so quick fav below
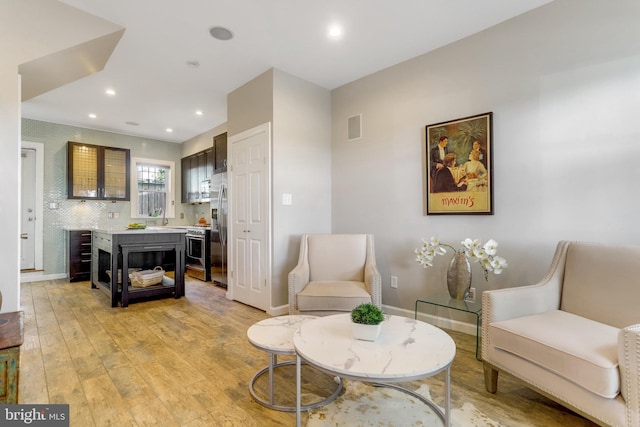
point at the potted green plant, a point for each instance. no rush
(366, 320)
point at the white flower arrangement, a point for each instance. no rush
(474, 250)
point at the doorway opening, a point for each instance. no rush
(31, 209)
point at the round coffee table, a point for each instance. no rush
(274, 336)
(406, 350)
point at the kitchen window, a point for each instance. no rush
(152, 195)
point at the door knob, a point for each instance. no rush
(24, 236)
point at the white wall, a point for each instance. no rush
(202, 141)
(10, 190)
(251, 104)
(563, 84)
(302, 168)
(301, 161)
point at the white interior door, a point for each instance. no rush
(249, 212)
(31, 206)
(28, 210)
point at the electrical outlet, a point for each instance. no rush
(394, 282)
(471, 296)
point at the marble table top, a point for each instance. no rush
(406, 349)
(276, 334)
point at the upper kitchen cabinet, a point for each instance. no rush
(186, 179)
(198, 169)
(209, 162)
(220, 152)
(196, 176)
(97, 172)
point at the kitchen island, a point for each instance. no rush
(122, 249)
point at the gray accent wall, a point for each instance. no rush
(562, 82)
(300, 113)
(302, 168)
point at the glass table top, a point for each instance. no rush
(447, 301)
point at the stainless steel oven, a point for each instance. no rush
(198, 253)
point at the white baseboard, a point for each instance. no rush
(39, 276)
(282, 310)
(441, 322)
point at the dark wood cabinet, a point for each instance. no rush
(96, 172)
(209, 162)
(194, 184)
(79, 255)
(220, 153)
(194, 173)
(186, 179)
(197, 171)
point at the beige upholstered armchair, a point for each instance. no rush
(575, 335)
(335, 273)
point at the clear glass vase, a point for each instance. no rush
(459, 276)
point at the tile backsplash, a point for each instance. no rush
(59, 213)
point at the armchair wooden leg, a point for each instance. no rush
(490, 379)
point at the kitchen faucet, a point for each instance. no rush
(165, 221)
(157, 213)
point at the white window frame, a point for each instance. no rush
(171, 188)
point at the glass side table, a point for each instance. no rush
(446, 301)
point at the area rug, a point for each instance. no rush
(365, 405)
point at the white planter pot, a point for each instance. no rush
(366, 332)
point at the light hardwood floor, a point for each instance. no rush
(187, 362)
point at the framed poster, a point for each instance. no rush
(458, 169)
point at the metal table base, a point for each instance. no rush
(270, 403)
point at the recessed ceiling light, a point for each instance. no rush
(169, 130)
(220, 33)
(199, 113)
(110, 92)
(335, 32)
(92, 116)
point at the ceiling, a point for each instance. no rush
(157, 87)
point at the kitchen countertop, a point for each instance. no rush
(148, 230)
(123, 228)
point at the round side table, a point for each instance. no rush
(275, 336)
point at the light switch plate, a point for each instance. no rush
(287, 199)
